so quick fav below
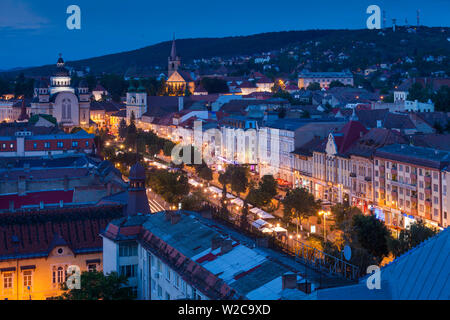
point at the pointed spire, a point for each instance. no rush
(173, 52)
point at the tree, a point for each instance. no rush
(97, 286)
(214, 85)
(239, 178)
(336, 83)
(410, 237)
(204, 172)
(122, 128)
(343, 212)
(266, 191)
(244, 216)
(441, 99)
(299, 203)
(314, 86)
(418, 92)
(371, 234)
(172, 186)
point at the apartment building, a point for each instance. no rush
(409, 185)
(324, 78)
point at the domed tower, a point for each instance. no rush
(60, 80)
(137, 197)
(174, 60)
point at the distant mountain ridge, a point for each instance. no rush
(196, 48)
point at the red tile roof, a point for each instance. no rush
(35, 198)
(34, 234)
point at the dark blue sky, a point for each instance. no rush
(34, 32)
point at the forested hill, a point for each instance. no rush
(386, 45)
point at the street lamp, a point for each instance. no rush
(325, 214)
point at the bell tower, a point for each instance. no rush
(174, 60)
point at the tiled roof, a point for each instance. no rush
(427, 157)
(33, 198)
(36, 232)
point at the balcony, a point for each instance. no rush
(368, 179)
(428, 179)
(352, 174)
(428, 203)
(382, 169)
(394, 171)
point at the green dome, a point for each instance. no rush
(131, 88)
(141, 87)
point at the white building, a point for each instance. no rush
(70, 106)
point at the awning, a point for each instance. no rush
(238, 201)
(230, 196)
(215, 190)
(262, 214)
(258, 224)
(193, 182)
(279, 229)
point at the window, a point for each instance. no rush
(435, 200)
(11, 146)
(60, 144)
(435, 188)
(87, 143)
(7, 280)
(159, 266)
(129, 270)
(74, 144)
(27, 278)
(177, 281)
(47, 145)
(35, 145)
(436, 212)
(159, 291)
(128, 250)
(92, 267)
(167, 296)
(168, 273)
(58, 275)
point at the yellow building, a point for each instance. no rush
(37, 248)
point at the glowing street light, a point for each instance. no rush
(324, 214)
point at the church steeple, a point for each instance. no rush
(173, 52)
(174, 60)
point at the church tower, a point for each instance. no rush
(174, 60)
(136, 101)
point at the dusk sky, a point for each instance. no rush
(34, 32)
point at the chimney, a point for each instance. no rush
(289, 281)
(180, 103)
(226, 246)
(216, 242)
(304, 286)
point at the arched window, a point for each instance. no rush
(60, 275)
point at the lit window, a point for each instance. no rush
(27, 278)
(7, 280)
